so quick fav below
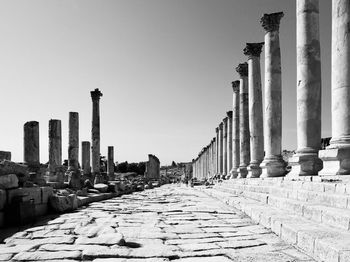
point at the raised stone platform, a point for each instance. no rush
(311, 213)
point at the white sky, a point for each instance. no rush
(164, 67)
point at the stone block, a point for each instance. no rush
(289, 233)
(2, 199)
(41, 209)
(344, 256)
(276, 225)
(336, 217)
(28, 193)
(313, 186)
(323, 252)
(63, 203)
(330, 187)
(333, 200)
(340, 188)
(312, 212)
(46, 192)
(8, 181)
(5, 155)
(103, 188)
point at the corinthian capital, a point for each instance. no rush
(271, 22)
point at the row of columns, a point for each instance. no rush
(256, 150)
(32, 154)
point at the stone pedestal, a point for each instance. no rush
(110, 163)
(229, 142)
(305, 162)
(224, 173)
(85, 158)
(253, 51)
(31, 144)
(244, 134)
(273, 164)
(95, 135)
(55, 152)
(336, 157)
(235, 130)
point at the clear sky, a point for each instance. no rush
(164, 67)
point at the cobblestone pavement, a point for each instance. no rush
(173, 223)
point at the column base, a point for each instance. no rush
(242, 172)
(304, 164)
(234, 173)
(273, 167)
(336, 161)
(254, 171)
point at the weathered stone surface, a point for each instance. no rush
(42, 255)
(9, 167)
(8, 181)
(103, 188)
(63, 203)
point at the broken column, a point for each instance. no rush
(225, 147)
(31, 145)
(273, 164)
(235, 130)
(56, 171)
(85, 159)
(110, 163)
(305, 161)
(229, 142)
(256, 125)
(336, 157)
(244, 136)
(95, 135)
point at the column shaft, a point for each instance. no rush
(85, 157)
(31, 144)
(225, 147)
(229, 142)
(110, 163)
(235, 129)
(221, 158)
(73, 146)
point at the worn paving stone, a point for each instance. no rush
(169, 223)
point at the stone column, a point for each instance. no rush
(273, 164)
(85, 158)
(235, 130)
(229, 142)
(336, 157)
(217, 148)
(31, 145)
(221, 157)
(256, 126)
(73, 147)
(95, 135)
(56, 173)
(110, 163)
(305, 161)
(244, 138)
(214, 157)
(225, 147)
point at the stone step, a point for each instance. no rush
(321, 242)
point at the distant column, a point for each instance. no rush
(273, 164)
(225, 147)
(336, 157)
(110, 163)
(217, 147)
(235, 130)
(229, 142)
(95, 135)
(256, 124)
(31, 144)
(305, 161)
(73, 146)
(244, 138)
(221, 158)
(55, 145)
(85, 158)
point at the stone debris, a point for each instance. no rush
(169, 223)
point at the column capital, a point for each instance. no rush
(221, 125)
(242, 69)
(235, 86)
(271, 22)
(217, 130)
(96, 94)
(214, 139)
(225, 120)
(229, 114)
(253, 49)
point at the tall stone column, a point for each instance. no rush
(225, 147)
(305, 161)
(235, 130)
(244, 138)
(56, 173)
(110, 163)
(85, 158)
(214, 157)
(221, 157)
(273, 164)
(73, 146)
(256, 126)
(336, 157)
(31, 145)
(229, 142)
(217, 147)
(95, 135)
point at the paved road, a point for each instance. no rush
(173, 223)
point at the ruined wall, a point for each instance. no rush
(152, 168)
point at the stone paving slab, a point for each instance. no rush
(170, 223)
